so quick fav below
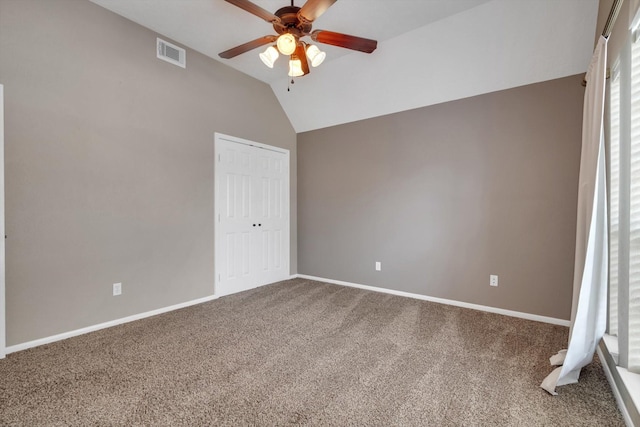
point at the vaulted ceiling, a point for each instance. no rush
(429, 51)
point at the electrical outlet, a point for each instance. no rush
(117, 289)
(493, 280)
(378, 266)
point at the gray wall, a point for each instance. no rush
(109, 165)
(446, 195)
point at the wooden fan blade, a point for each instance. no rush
(301, 54)
(344, 40)
(256, 10)
(312, 9)
(233, 52)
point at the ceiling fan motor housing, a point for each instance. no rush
(290, 22)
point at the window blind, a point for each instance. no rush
(634, 213)
(614, 199)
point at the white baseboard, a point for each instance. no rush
(528, 316)
(65, 335)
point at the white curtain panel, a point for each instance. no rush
(589, 310)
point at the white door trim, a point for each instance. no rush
(217, 242)
(220, 136)
(3, 342)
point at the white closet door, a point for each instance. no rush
(271, 204)
(234, 234)
(252, 221)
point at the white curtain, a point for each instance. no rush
(589, 310)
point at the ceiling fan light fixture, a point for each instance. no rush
(315, 55)
(286, 44)
(269, 56)
(291, 25)
(295, 68)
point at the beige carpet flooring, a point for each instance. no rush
(305, 353)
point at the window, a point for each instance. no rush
(634, 212)
(624, 204)
(614, 197)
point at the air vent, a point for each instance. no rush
(171, 53)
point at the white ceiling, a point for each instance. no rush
(429, 51)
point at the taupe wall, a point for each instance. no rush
(109, 165)
(446, 195)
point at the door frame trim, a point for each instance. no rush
(3, 299)
(221, 136)
(216, 218)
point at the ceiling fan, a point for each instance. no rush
(293, 23)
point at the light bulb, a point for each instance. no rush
(286, 44)
(295, 68)
(315, 55)
(269, 56)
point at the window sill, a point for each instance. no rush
(625, 384)
(611, 344)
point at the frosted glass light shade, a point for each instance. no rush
(315, 55)
(286, 44)
(269, 56)
(295, 68)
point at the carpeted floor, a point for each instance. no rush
(302, 352)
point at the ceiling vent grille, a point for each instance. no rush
(171, 53)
